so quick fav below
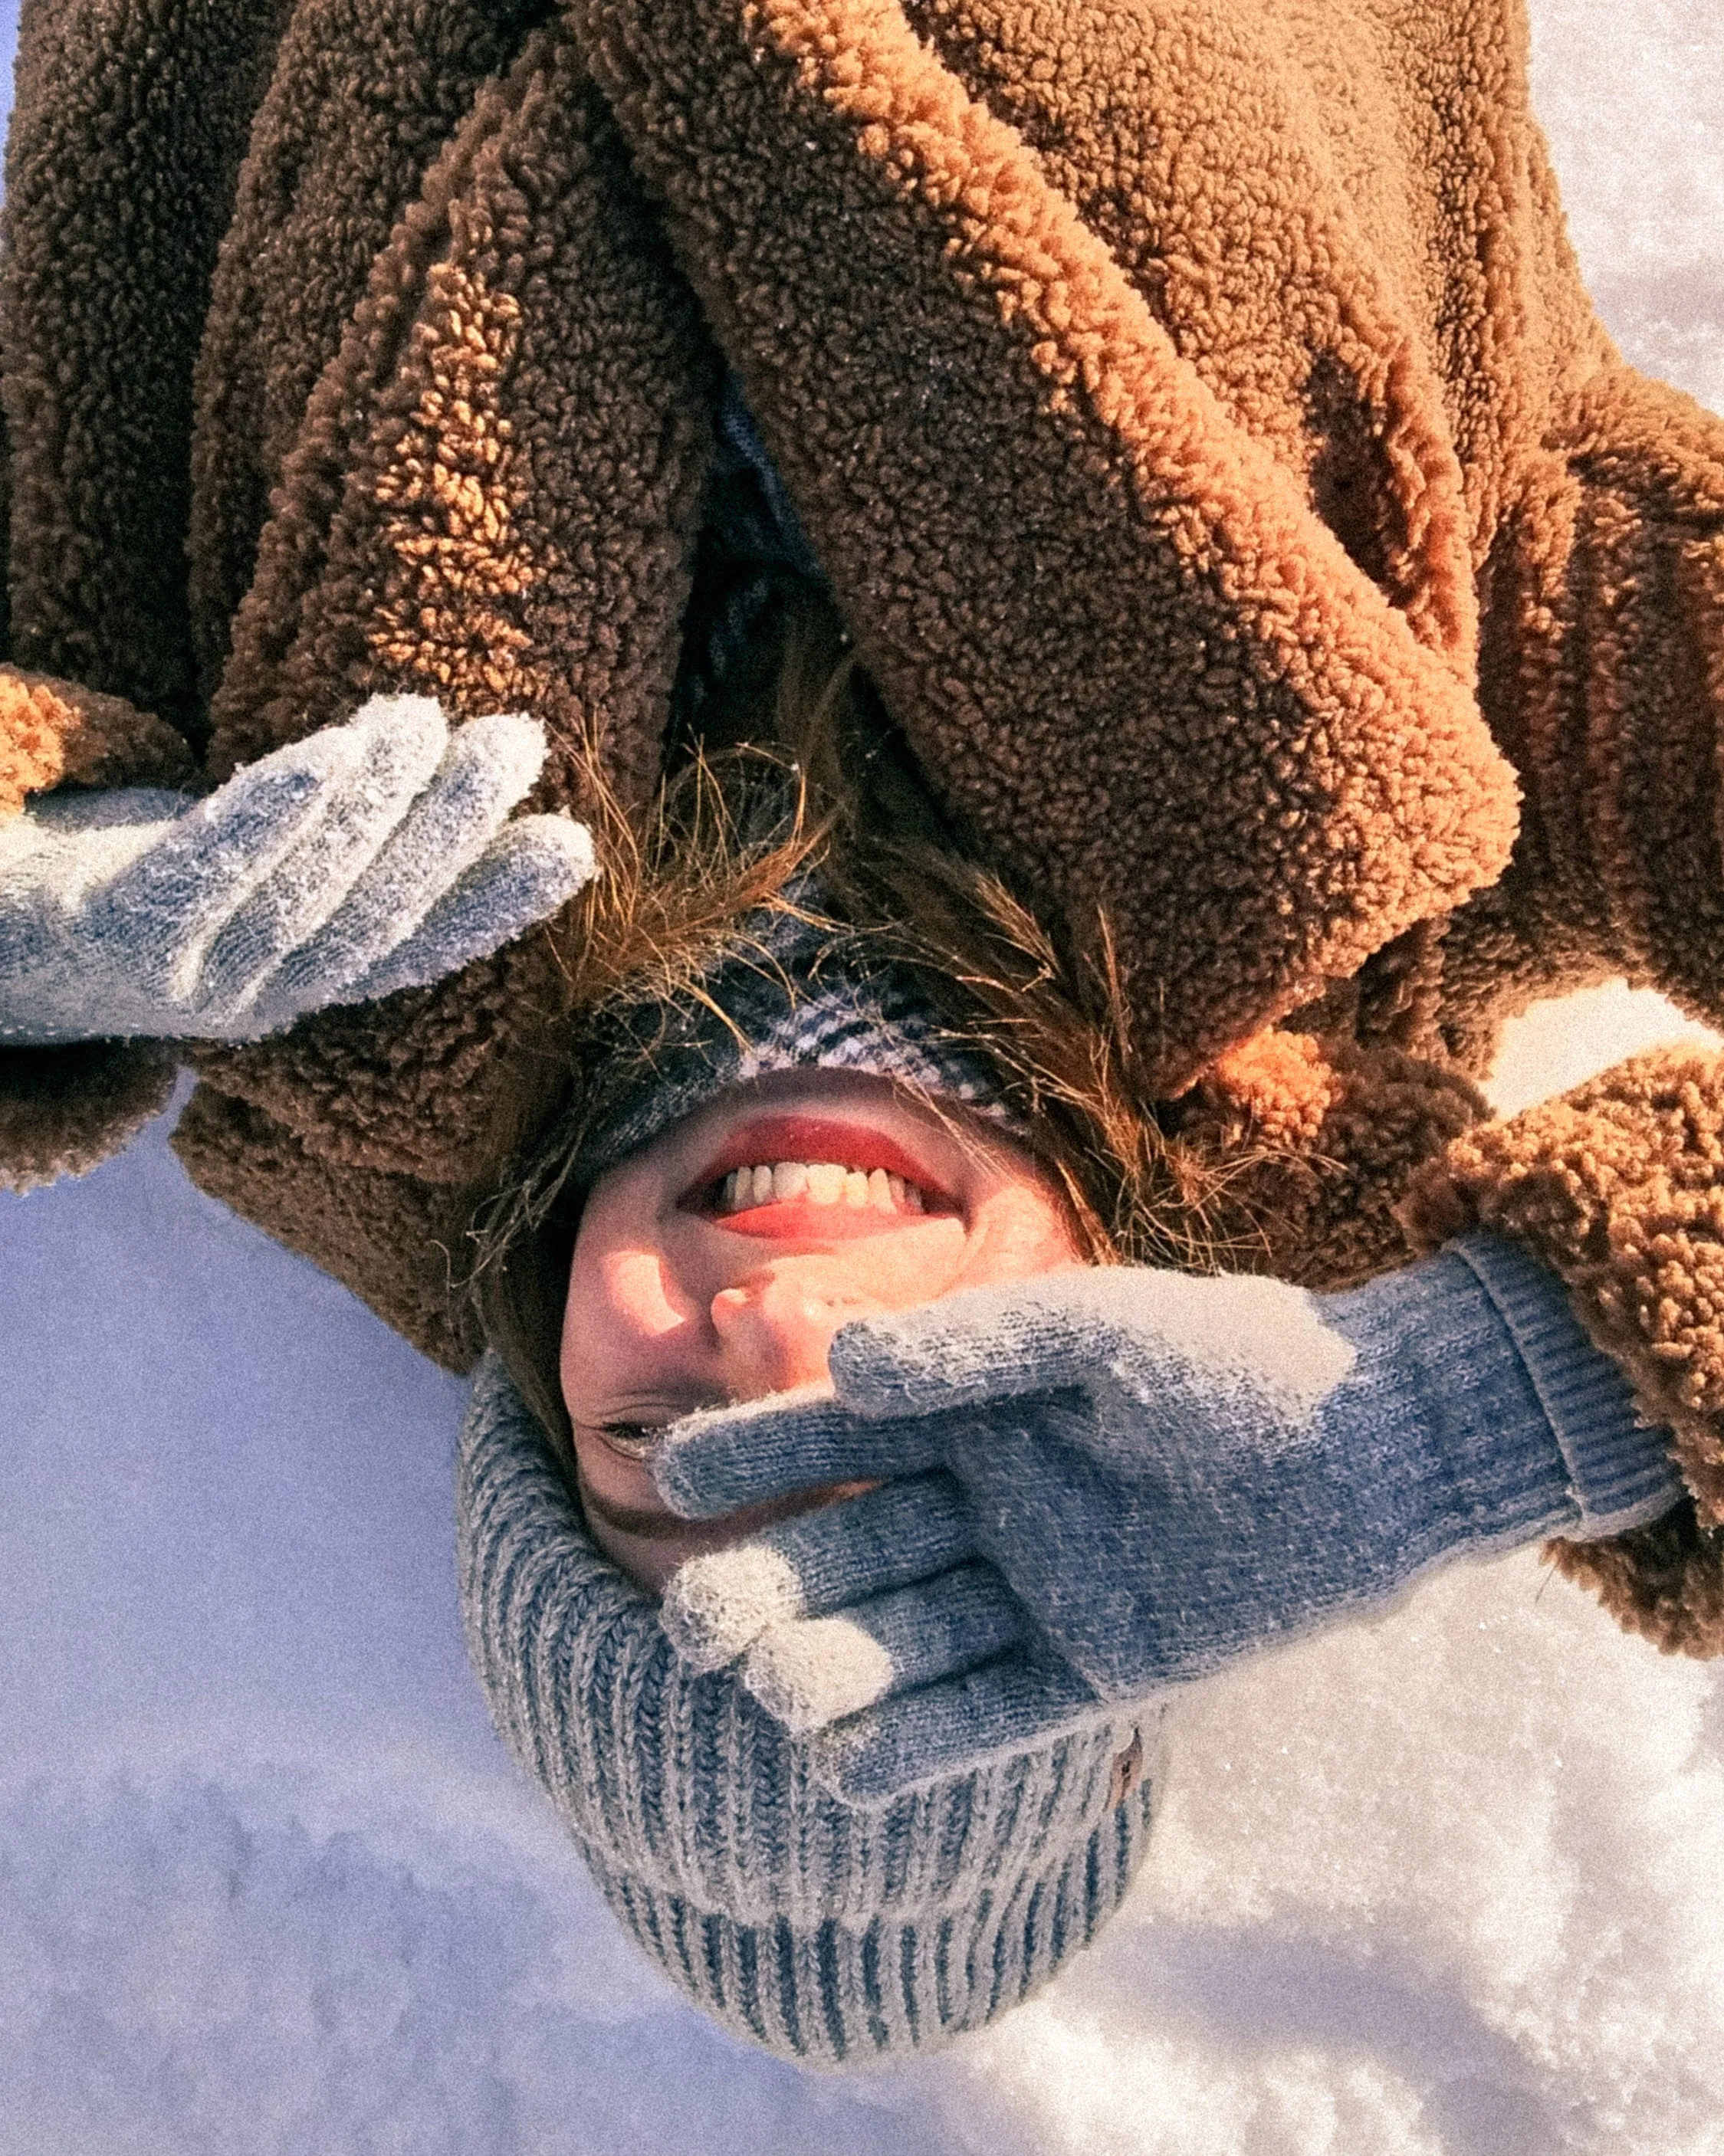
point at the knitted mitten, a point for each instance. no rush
(372, 856)
(1122, 1478)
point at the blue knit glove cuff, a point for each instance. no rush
(1620, 1470)
(1536, 1427)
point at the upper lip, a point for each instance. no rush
(786, 1136)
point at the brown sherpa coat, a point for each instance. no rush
(1197, 411)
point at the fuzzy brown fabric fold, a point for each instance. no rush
(128, 126)
(494, 492)
(64, 1110)
(493, 500)
(365, 95)
(1194, 405)
(1170, 692)
(1323, 1136)
(60, 733)
(393, 1239)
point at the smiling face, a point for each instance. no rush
(717, 1263)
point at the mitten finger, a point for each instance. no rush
(1009, 1705)
(53, 986)
(524, 877)
(724, 1458)
(987, 1344)
(256, 869)
(811, 1672)
(489, 765)
(154, 921)
(1151, 1349)
(715, 1606)
(394, 741)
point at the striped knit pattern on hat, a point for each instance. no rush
(795, 993)
(829, 1934)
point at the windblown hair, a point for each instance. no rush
(798, 767)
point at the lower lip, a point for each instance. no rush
(804, 1221)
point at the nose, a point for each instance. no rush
(774, 1332)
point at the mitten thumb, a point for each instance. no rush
(1137, 1340)
(984, 1344)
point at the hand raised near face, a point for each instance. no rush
(1101, 1482)
(370, 857)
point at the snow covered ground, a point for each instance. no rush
(1451, 1885)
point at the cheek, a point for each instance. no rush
(621, 1302)
(1022, 1229)
(629, 1290)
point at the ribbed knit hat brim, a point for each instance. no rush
(830, 1932)
(831, 1995)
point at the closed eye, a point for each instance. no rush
(636, 1439)
(635, 1435)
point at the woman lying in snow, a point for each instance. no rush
(1228, 558)
(844, 1139)
(844, 1287)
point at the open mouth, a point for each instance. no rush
(819, 1172)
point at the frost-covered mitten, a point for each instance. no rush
(1118, 1479)
(370, 857)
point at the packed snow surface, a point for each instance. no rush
(1451, 1882)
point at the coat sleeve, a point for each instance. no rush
(127, 130)
(125, 133)
(1619, 1186)
(1602, 675)
(61, 1109)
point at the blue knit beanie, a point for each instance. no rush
(830, 1932)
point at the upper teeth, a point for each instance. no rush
(821, 1182)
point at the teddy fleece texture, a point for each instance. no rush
(1196, 411)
